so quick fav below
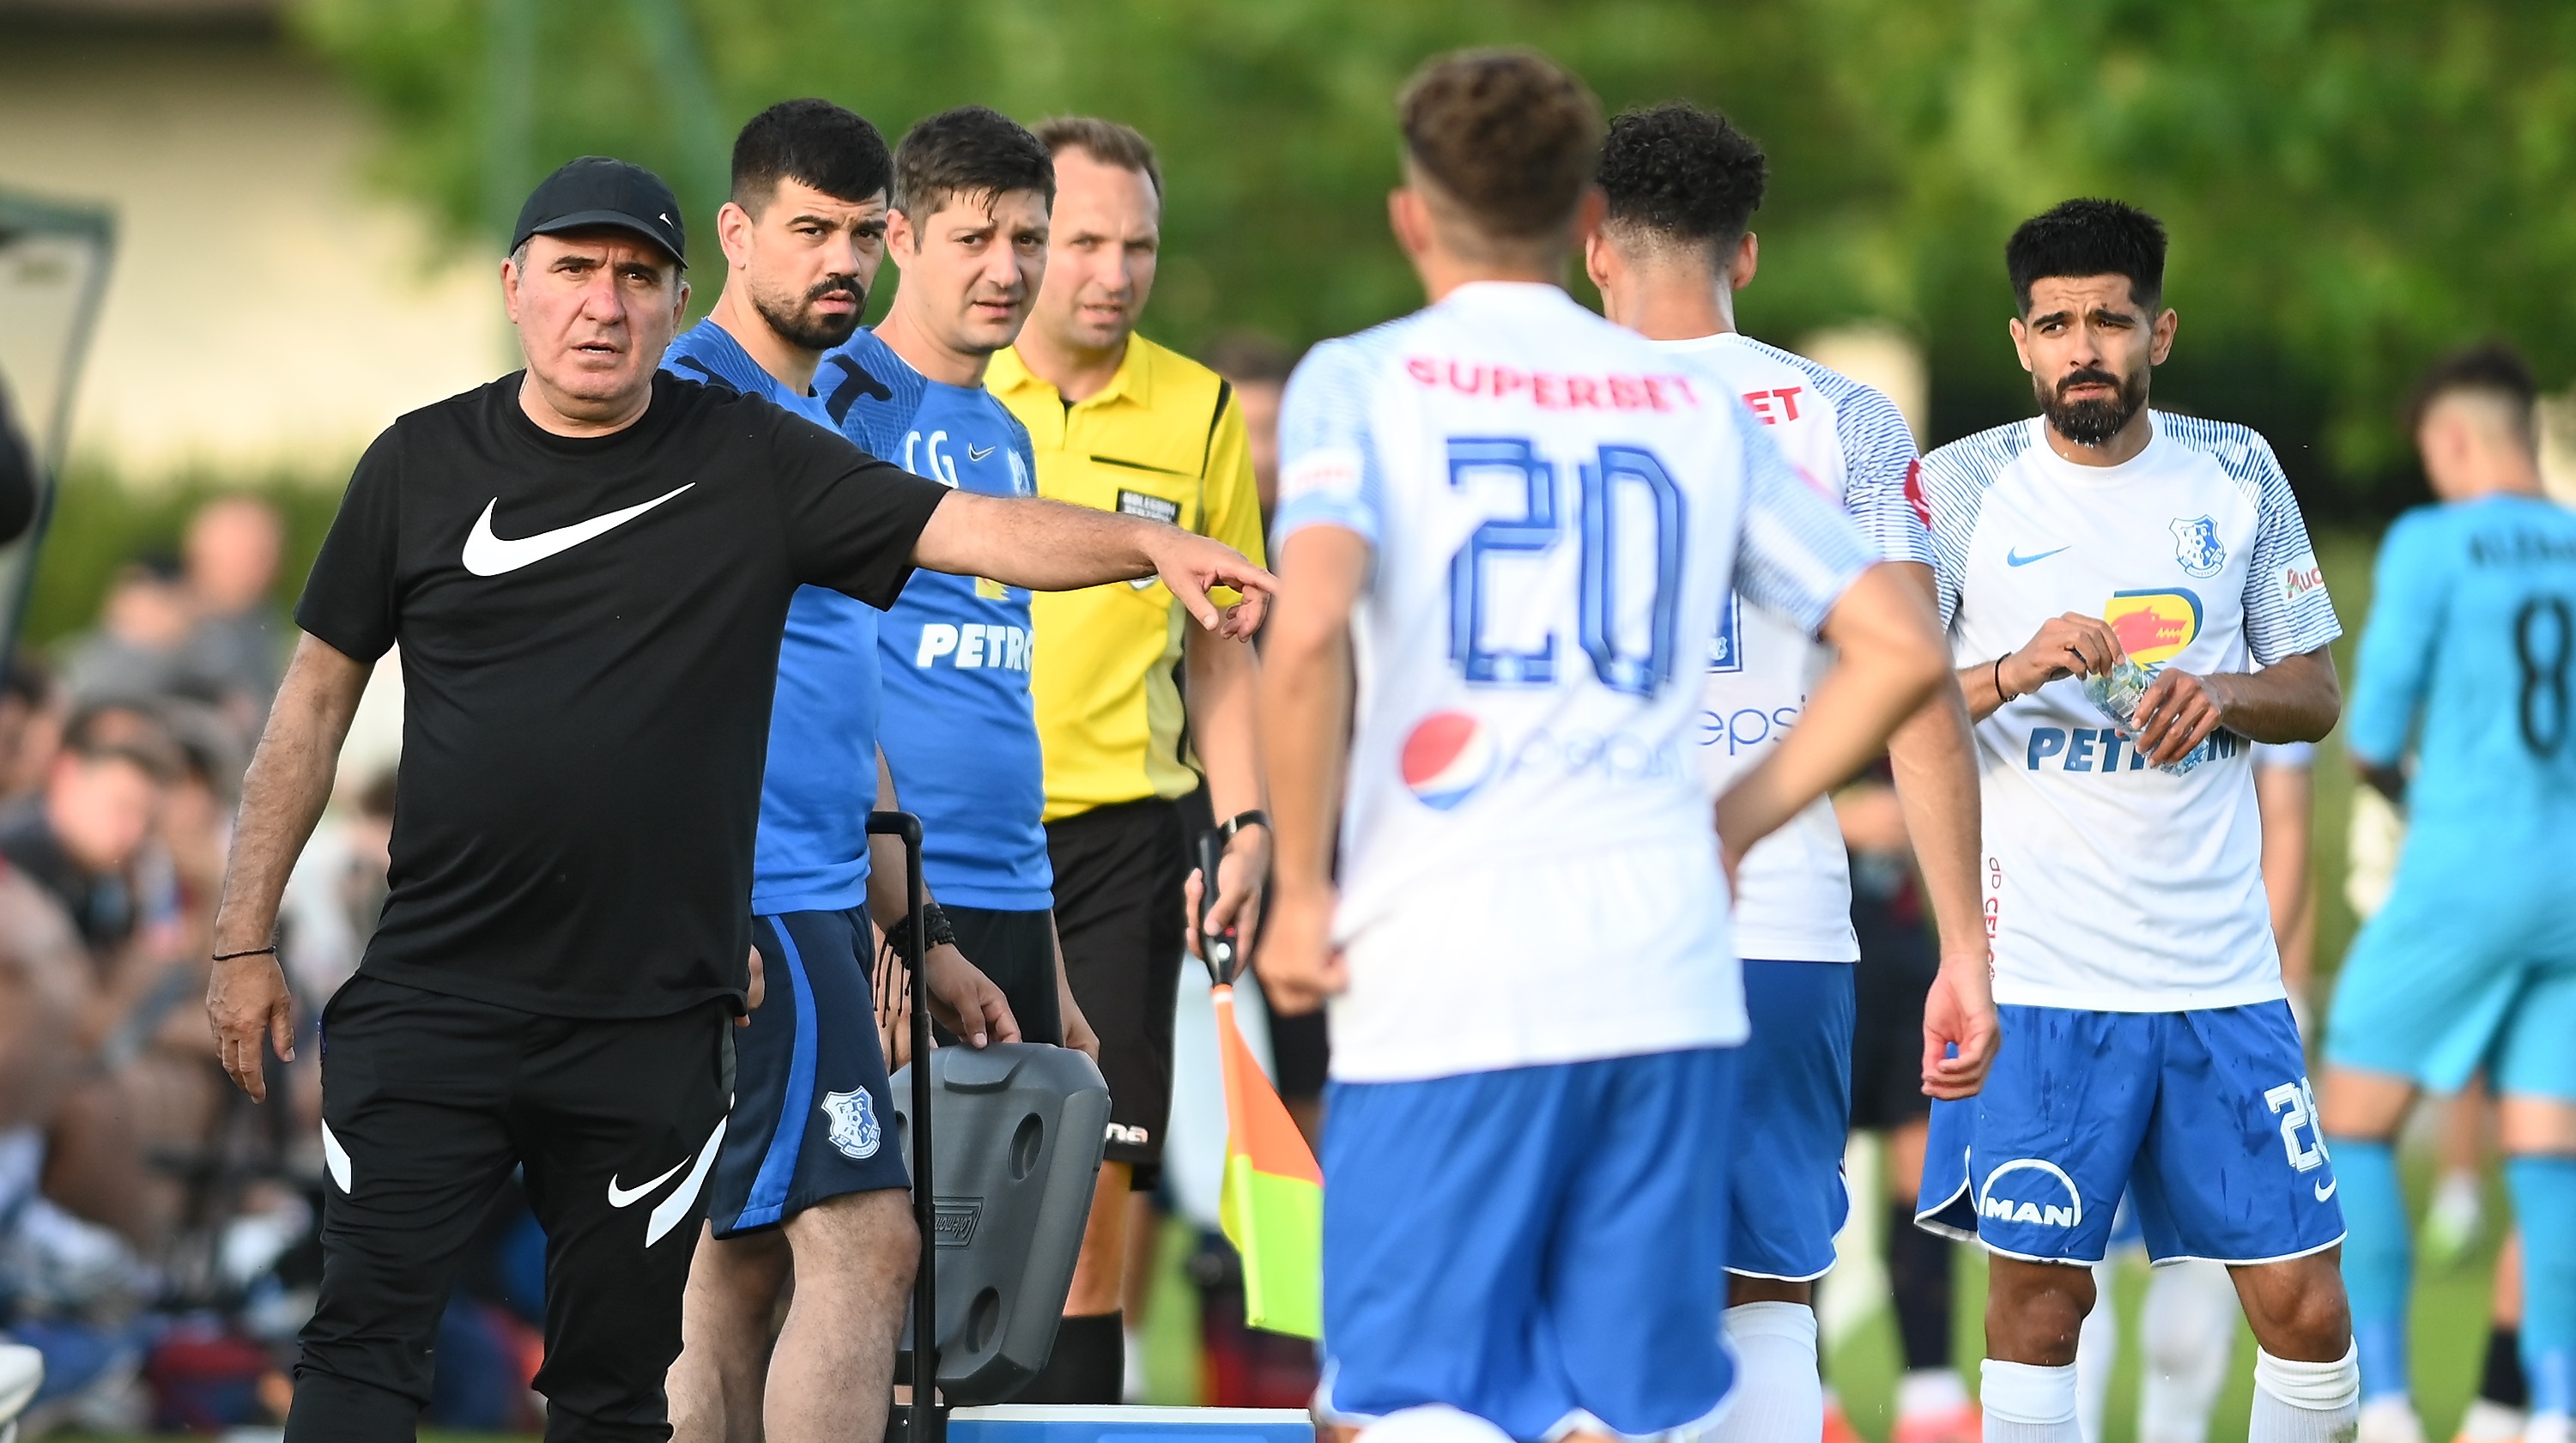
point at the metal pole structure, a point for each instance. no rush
(21, 217)
(925, 1421)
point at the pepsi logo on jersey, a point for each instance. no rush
(1550, 391)
(1446, 757)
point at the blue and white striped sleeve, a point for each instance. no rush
(1329, 473)
(1798, 553)
(1881, 487)
(1952, 484)
(2287, 610)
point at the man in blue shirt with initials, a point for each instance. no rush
(2471, 966)
(968, 228)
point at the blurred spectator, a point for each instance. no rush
(1257, 367)
(31, 725)
(237, 649)
(76, 838)
(134, 656)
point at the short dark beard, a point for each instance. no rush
(2090, 423)
(806, 330)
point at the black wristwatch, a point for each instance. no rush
(1226, 829)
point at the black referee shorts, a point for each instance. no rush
(428, 1102)
(1016, 950)
(1118, 875)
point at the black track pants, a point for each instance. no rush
(428, 1101)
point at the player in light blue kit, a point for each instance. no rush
(969, 231)
(1515, 526)
(2471, 966)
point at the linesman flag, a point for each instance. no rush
(1272, 1207)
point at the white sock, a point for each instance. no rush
(2027, 1403)
(2187, 1332)
(1136, 1384)
(1778, 1392)
(1432, 1423)
(1923, 1392)
(2306, 1402)
(2097, 1352)
(2548, 1428)
(2488, 1421)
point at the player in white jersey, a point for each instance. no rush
(1517, 524)
(1681, 185)
(2132, 599)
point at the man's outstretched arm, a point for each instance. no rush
(1046, 545)
(282, 797)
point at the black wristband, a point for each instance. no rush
(268, 951)
(936, 930)
(1240, 820)
(2001, 695)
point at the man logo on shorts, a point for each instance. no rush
(854, 1123)
(2032, 1196)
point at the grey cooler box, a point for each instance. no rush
(1018, 1131)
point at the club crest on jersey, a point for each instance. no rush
(1446, 757)
(854, 1123)
(2196, 545)
(2153, 626)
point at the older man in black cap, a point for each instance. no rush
(588, 567)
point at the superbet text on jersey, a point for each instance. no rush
(1555, 542)
(1793, 890)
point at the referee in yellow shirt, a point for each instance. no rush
(1125, 425)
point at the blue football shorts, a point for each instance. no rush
(1787, 1187)
(813, 1114)
(1542, 1247)
(2463, 970)
(2205, 1117)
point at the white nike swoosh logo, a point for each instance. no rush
(620, 1197)
(668, 1213)
(974, 455)
(2328, 1190)
(490, 555)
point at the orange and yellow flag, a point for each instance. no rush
(1272, 1208)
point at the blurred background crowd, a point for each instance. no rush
(303, 197)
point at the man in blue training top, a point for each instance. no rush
(2471, 966)
(808, 1180)
(968, 228)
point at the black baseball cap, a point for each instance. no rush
(597, 191)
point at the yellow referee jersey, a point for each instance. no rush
(1164, 439)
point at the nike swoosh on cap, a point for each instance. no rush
(974, 455)
(620, 1197)
(2015, 558)
(490, 555)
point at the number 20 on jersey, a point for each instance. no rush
(1634, 664)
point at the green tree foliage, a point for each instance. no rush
(2352, 186)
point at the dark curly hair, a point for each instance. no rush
(2077, 238)
(1677, 173)
(1507, 136)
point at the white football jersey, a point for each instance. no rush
(2111, 885)
(1793, 891)
(1558, 509)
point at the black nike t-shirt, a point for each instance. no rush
(589, 631)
